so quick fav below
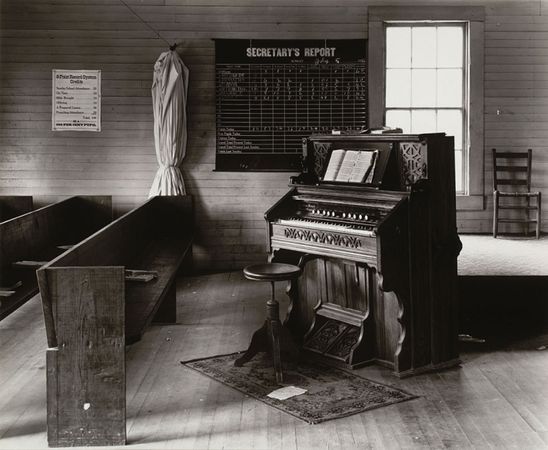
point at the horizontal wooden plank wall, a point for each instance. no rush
(40, 35)
(516, 94)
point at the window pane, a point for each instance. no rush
(450, 45)
(423, 41)
(423, 92)
(449, 87)
(450, 122)
(398, 118)
(458, 172)
(423, 121)
(398, 47)
(398, 87)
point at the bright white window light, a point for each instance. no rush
(426, 79)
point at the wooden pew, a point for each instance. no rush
(39, 236)
(91, 311)
(14, 205)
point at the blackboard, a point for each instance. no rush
(270, 94)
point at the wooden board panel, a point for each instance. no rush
(86, 372)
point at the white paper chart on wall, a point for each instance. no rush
(270, 94)
(76, 100)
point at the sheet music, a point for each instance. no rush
(362, 166)
(371, 174)
(334, 165)
(347, 166)
(354, 166)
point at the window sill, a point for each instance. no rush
(470, 203)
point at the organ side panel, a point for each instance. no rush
(445, 247)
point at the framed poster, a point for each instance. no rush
(76, 100)
(270, 94)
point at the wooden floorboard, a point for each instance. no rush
(497, 399)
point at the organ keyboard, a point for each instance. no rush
(378, 259)
(359, 230)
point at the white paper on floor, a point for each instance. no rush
(286, 392)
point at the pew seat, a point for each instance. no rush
(145, 301)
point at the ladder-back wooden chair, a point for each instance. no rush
(512, 178)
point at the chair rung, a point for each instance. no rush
(511, 169)
(516, 221)
(522, 155)
(511, 182)
(530, 208)
(518, 194)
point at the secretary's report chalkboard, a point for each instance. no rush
(272, 93)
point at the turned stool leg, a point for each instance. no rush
(273, 318)
(267, 337)
(259, 343)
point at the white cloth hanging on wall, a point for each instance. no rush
(169, 99)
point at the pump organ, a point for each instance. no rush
(378, 259)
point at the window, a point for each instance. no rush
(425, 81)
(415, 54)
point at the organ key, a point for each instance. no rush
(328, 226)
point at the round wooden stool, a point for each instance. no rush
(267, 338)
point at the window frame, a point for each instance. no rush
(474, 16)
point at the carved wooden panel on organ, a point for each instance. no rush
(413, 163)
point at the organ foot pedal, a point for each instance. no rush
(338, 334)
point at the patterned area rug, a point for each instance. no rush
(331, 392)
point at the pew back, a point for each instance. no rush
(37, 236)
(122, 241)
(14, 205)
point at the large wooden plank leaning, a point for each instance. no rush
(14, 205)
(92, 310)
(28, 240)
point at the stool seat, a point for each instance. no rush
(272, 272)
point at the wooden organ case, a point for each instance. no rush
(379, 259)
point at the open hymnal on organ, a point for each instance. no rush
(354, 166)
